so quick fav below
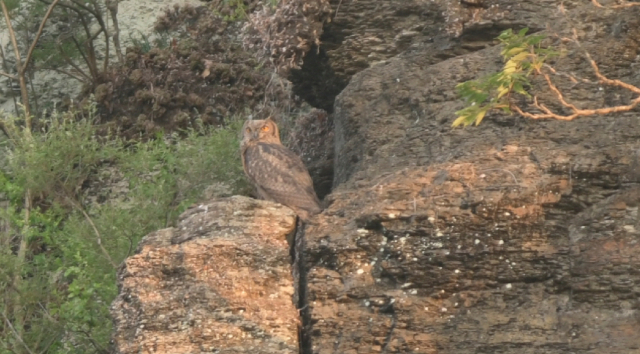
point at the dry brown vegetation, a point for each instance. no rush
(284, 34)
(200, 72)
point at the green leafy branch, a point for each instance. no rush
(523, 56)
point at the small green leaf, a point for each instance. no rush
(459, 121)
(502, 91)
(523, 32)
(523, 56)
(513, 51)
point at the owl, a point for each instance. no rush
(278, 174)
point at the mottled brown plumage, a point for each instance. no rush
(277, 172)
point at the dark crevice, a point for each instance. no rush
(316, 82)
(299, 271)
(394, 321)
(488, 32)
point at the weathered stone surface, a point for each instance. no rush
(226, 288)
(399, 113)
(365, 33)
(486, 256)
(518, 236)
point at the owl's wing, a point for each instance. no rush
(282, 175)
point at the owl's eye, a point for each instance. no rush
(265, 128)
(248, 130)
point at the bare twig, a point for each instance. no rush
(12, 77)
(70, 62)
(578, 112)
(337, 9)
(84, 57)
(603, 79)
(12, 35)
(13, 330)
(22, 66)
(569, 76)
(16, 51)
(112, 5)
(96, 345)
(95, 230)
(105, 30)
(38, 34)
(86, 48)
(6, 69)
(69, 73)
(91, 52)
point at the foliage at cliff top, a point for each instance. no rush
(525, 59)
(522, 55)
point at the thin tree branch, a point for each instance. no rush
(95, 230)
(38, 34)
(13, 330)
(81, 50)
(90, 55)
(68, 73)
(112, 5)
(33, 90)
(6, 69)
(68, 60)
(95, 344)
(22, 66)
(578, 112)
(85, 8)
(12, 35)
(23, 85)
(12, 77)
(105, 29)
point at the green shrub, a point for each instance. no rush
(91, 199)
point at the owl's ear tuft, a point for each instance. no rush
(274, 127)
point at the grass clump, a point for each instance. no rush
(74, 205)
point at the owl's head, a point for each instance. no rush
(265, 131)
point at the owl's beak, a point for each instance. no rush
(249, 138)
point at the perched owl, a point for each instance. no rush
(277, 172)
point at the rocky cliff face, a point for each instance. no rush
(223, 285)
(518, 236)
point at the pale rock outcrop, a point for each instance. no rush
(224, 287)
